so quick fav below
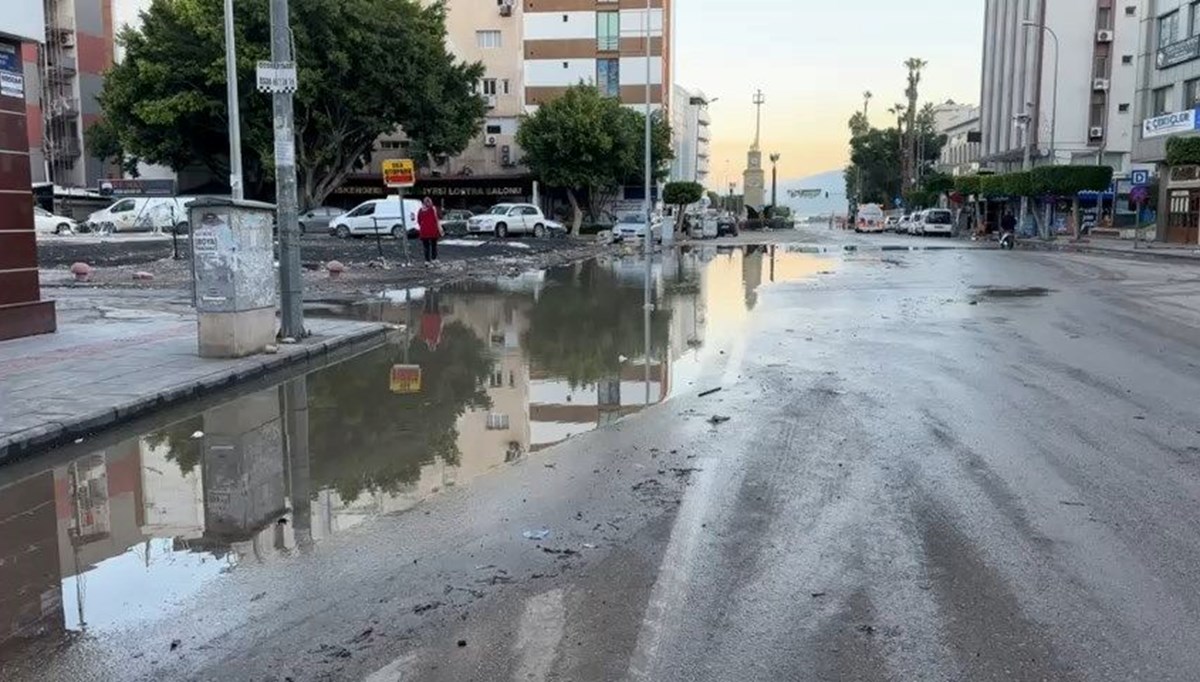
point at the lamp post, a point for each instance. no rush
(231, 93)
(1054, 89)
(774, 174)
(732, 186)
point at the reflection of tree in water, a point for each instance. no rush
(181, 447)
(583, 322)
(364, 437)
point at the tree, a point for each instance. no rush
(366, 67)
(591, 145)
(914, 66)
(682, 195)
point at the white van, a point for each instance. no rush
(142, 214)
(870, 219)
(378, 216)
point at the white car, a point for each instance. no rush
(143, 214)
(632, 227)
(937, 221)
(45, 222)
(915, 225)
(505, 219)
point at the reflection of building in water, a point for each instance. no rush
(487, 438)
(30, 599)
(558, 410)
(752, 273)
(172, 499)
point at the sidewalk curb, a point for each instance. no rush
(312, 355)
(1147, 254)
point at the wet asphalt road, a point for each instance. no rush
(950, 465)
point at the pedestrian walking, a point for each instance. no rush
(429, 229)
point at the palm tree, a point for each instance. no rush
(914, 66)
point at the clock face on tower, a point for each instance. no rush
(754, 162)
(753, 182)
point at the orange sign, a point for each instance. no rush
(399, 173)
(406, 379)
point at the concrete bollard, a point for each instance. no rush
(143, 276)
(82, 271)
(335, 269)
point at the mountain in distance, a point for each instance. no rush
(832, 182)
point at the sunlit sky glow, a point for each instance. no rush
(813, 59)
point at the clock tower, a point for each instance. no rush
(753, 179)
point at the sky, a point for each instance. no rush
(813, 59)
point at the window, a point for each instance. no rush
(497, 422)
(487, 39)
(493, 130)
(365, 209)
(1096, 115)
(504, 86)
(122, 206)
(1160, 101)
(1123, 108)
(1130, 10)
(1126, 59)
(487, 86)
(608, 31)
(1195, 22)
(1191, 93)
(496, 380)
(1104, 18)
(393, 144)
(1100, 67)
(1168, 29)
(608, 77)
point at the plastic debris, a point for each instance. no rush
(540, 534)
(197, 434)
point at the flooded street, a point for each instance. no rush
(836, 465)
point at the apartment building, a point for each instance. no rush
(960, 155)
(1068, 68)
(601, 42)
(691, 135)
(63, 78)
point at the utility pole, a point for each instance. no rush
(235, 119)
(286, 212)
(774, 160)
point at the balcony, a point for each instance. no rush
(64, 107)
(63, 148)
(61, 71)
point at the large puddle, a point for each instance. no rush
(485, 374)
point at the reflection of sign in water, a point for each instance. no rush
(406, 379)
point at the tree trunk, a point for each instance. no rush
(1075, 215)
(576, 213)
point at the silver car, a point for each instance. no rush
(317, 219)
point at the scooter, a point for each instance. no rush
(1008, 240)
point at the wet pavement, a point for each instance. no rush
(936, 465)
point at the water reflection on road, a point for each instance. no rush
(486, 373)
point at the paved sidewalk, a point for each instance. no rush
(1119, 247)
(88, 376)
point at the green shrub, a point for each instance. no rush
(1068, 180)
(967, 184)
(1183, 151)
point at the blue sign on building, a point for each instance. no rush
(1139, 177)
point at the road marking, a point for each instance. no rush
(392, 672)
(670, 588)
(540, 632)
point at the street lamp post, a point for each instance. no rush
(774, 175)
(1054, 89)
(231, 93)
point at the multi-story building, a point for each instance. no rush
(62, 80)
(1068, 68)
(600, 42)
(692, 135)
(1166, 106)
(960, 155)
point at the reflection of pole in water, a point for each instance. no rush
(772, 262)
(295, 433)
(646, 358)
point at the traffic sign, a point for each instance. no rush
(405, 379)
(399, 173)
(1139, 177)
(1139, 193)
(276, 76)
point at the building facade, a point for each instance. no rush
(960, 155)
(601, 42)
(691, 135)
(63, 78)
(1065, 90)
(22, 310)
(1168, 95)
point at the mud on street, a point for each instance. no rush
(855, 465)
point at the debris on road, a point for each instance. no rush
(197, 434)
(1069, 503)
(718, 419)
(462, 643)
(540, 534)
(867, 629)
(175, 644)
(258, 596)
(422, 608)
(705, 394)
(816, 595)
(560, 553)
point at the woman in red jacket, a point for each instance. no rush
(429, 229)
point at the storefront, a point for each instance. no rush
(1182, 219)
(475, 193)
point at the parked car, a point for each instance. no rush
(727, 225)
(454, 221)
(937, 221)
(317, 219)
(870, 218)
(632, 226)
(903, 224)
(142, 214)
(45, 222)
(505, 219)
(555, 229)
(378, 216)
(914, 225)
